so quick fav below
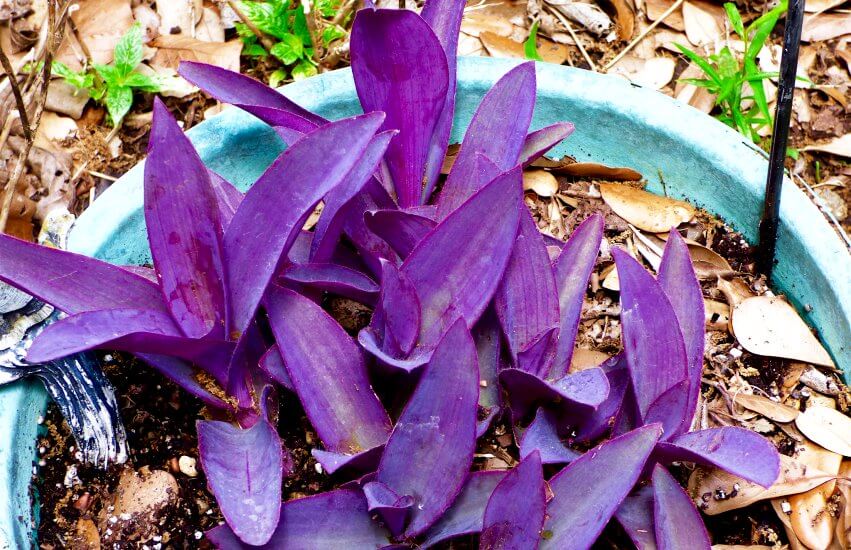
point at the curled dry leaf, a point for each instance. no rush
(500, 46)
(645, 210)
(772, 410)
(819, 381)
(596, 170)
(768, 325)
(840, 146)
(588, 15)
(735, 291)
(828, 427)
(625, 18)
(541, 182)
(655, 9)
(809, 517)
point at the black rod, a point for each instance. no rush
(770, 221)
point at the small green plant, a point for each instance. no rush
(530, 47)
(726, 76)
(113, 85)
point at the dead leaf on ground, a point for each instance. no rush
(655, 9)
(825, 26)
(174, 49)
(500, 46)
(541, 182)
(699, 98)
(470, 45)
(55, 127)
(769, 326)
(586, 358)
(828, 427)
(101, 23)
(735, 291)
(840, 146)
(772, 410)
(702, 23)
(179, 16)
(597, 171)
(495, 18)
(210, 28)
(625, 18)
(717, 314)
(12, 9)
(809, 516)
(818, 6)
(645, 210)
(66, 99)
(653, 73)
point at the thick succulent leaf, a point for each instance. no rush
(460, 263)
(244, 469)
(289, 125)
(574, 395)
(242, 369)
(537, 143)
(227, 196)
(72, 282)
(526, 301)
(678, 523)
(542, 436)
(444, 18)
(328, 373)
(431, 448)
(371, 247)
(493, 134)
(333, 278)
(653, 342)
(669, 409)
(184, 231)
(330, 226)
(487, 335)
(345, 464)
(336, 519)
(240, 90)
(636, 517)
(588, 491)
(372, 343)
(401, 229)
(600, 421)
(186, 376)
(399, 312)
(508, 525)
(271, 215)
(676, 275)
(466, 515)
(736, 450)
(400, 68)
(537, 357)
(273, 365)
(392, 508)
(572, 270)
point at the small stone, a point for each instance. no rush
(318, 468)
(144, 498)
(833, 202)
(187, 466)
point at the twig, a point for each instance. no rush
(310, 18)
(7, 128)
(643, 34)
(267, 43)
(16, 91)
(824, 209)
(102, 175)
(573, 35)
(83, 47)
(343, 12)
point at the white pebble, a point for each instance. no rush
(198, 535)
(318, 468)
(187, 466)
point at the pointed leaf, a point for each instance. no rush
(460, 263)
(486, 334)
(572, 269)
(538, 356)
(228, 198)
(678, 523)
(372, 249)
(392, 508)
(537, 143)
(244, 470)
(335, 279)
(186, 376)
(542, 436)
(431, 448)
(466, 515)
(600, 421)
(575, 395)
(636, 517)
(371, 342)
(508, 525)
(400, 68)
(399, 311)
(669, 409)
(273, 365)
(401, 229)
(328, 373)
(586, 493)
(184, 231)
(346, 464)
(271, 215)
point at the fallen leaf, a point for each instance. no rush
(645, 210)
(717, 314)
(653, 73)
(100, 24)
(586, 358)
(735, 291)
(840, 146)
(828, 427)
(625, 18)
(772, 410)
(477, 21)
(668, 39)
(701, 23)
(843, 525)
(541, 182)
(500, 46)
(470, 45)
(174, 49)
(699, 98)
(782, 509)
(825, 26)
(587, 15)
(210, 28)
(610, 277)
(55, 127)
(597, 171)
(818, 6)
(655, 9)
(66, 99)
(768, 325)
(809, 517)
(179, 16)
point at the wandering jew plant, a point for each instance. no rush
(472, 321)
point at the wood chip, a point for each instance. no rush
(500, 46)
(768, 325)
(772, 410)
(828, 427)
(645, 210)
(541, 182)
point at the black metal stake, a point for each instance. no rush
(780, 136)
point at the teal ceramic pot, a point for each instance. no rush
(617, 123)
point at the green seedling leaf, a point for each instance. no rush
(735, 19)
(142, 82)
(128, 51)
(119, 99)
(331, 34)
(530, 47)
(305, 69)
(289, 50)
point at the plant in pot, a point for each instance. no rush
(472, 321)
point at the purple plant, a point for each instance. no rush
(472, 321)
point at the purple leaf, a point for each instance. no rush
(508, 525)
(186, 376)
(335, 279)
(736, 450)
(459, 264)
(371, 342)
(72, 282)
(228, 198)
(588, 491)
(273, 365)
(184, 231)
(493, 134)
(271, 215)
(400, 68)
(399, 312)
(636, 517)
(652, 340)
(600, 421)
(526, 301)
(669, 409)
(330, 226)
(575, 394)
(328, 373)
(466, 515)
(537, 357)
(678, 523)
(371, 248)
(392, 508)
(572, 270)
(542, 436)
(344, 464)
(242, 368)
(336, 519)
(242, 91)
(486, 334)
(431, 448)
(537, 143)
(401, 229)
(244, 469)
(676, 275)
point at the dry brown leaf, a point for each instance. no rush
(55, 127)
(845, 54)
(828, 427)
(717, 314)
(699, 98)
(493, 17)
(809, 517)
(645, 210)
(541, 182)
(653, 73)
(655, 9)
(210, 28)
(701, 22)
(825, 26)
(66, 99)
(818, 6)
(735, 291)
(470, 45)
(611, 281)
(598, 171)
(668, 39)
(100, 24)
(768, 325)
(625, 18)
(586, 358)
(840, 146)
(705, 485)
(500, 46)
(843, 525)
(772, 410)
(782, 509)
(174, 49)
(179, 16)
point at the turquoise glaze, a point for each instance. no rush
(681, 152)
